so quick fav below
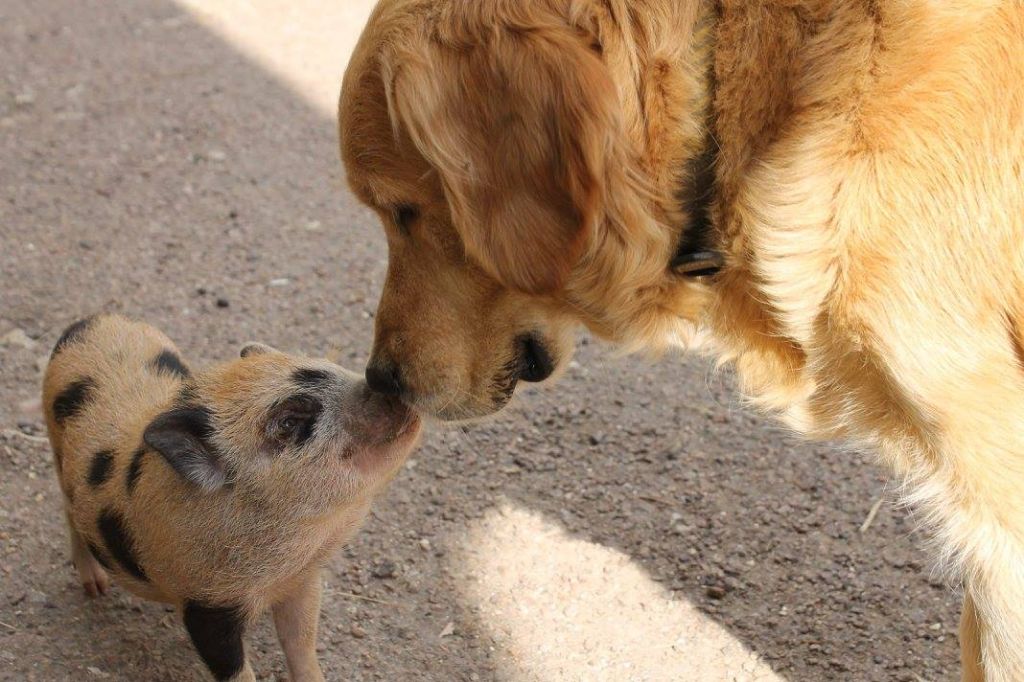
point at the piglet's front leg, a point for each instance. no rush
(296, 618)
(216, 632)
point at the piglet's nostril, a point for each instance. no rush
(373, 418)
(384, 378)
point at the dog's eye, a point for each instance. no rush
(405, 216)
(288, 425)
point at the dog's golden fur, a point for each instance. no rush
(868, 201)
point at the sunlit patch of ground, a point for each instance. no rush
(560, 608)
(307, 44)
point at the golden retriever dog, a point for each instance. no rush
(830, 191)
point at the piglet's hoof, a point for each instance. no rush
(94, 579)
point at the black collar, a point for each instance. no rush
(696, 254)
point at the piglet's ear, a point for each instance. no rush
(254, 348)
(182, 436)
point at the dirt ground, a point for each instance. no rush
(636, 523)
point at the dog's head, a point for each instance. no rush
(524, 165)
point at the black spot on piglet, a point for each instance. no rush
(168, 361)
(311, 378)
(99, 470)
(119, 542)
(72, 334)
(95, 551)
(134, 470)
(72, 399)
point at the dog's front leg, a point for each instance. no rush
(992, 623)
(970, 643)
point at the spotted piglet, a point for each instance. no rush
(222, 492)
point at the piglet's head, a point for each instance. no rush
(279, 425)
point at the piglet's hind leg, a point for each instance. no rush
(94, 579)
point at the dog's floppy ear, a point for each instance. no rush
(181, 435)
(519, 126)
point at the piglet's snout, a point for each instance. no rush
(377, 419)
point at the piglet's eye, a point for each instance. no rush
(406, 216)
(293, 420)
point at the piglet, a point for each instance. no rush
(222, 492)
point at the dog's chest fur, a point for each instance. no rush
(842, 213)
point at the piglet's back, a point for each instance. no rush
(107, 377)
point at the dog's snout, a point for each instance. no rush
(384, 378)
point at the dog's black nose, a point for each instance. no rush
(384, 378)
